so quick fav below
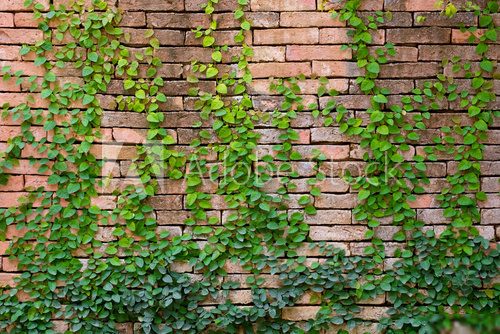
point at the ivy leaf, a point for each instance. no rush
(486, 65)
(87, 99)
(363, 194)
(373, 67)
(379, 98)
(222, 88)
(217, 56)
(212, 72)
(87, 70)
(128, 84)
(208, 41)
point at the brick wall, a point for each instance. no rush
(290, 37)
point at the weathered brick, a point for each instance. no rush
(222, 6)
(411, 5)
(20, 36)
(409, 70)
(10, 199)
(439, 20)
(330, 201)
(300, 313)
(18, 5)
(9, 52)
(6, 19)
(150, 5)
(341, 69)
(364, 5)
(465, 37)
(319, 52)
(337, 233)
(225, 37)
(282, 5)
(133, 19)
(330, 217)
(490, 216)
(177, 20)
(419, 35)
(266, 70)
(257, 20)
(315, 19)
(8, 279)
(440, 52)
(137, 37)
(340, 36)
(286, 36)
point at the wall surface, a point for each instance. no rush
(289, 38)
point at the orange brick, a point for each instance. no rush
(282, 5)
(20, 36)
(286, 36)
(18, 5)
(6, 20)
(317, 52)
(411, 5)
(266, 70)
(10, 199)
(459, 37)
(314, 19)
(15, 183)
(8, 279)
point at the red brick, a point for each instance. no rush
(257, 20)
(25, 20)
(9, 265)
(336, 69)
(419, 35)
(364, 5)
(286, 36)
(440, 20)
(411, 5)
(18, 5)
(7, 279)
(268, 53)
(225, 37)
(282, 5)
(6, 19)
(10, 52)
(340, 36)
(266, 70)
(440, 52)
(222, 6)
(15, 183)
(315, 19)
(133, 19)
(4, 245)
(177, 20)
(134, 36)
(147, 5)
(459, 37)
(409, 70)
(10, 199)
(60, 326)
(20, 36)
(318, 52)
